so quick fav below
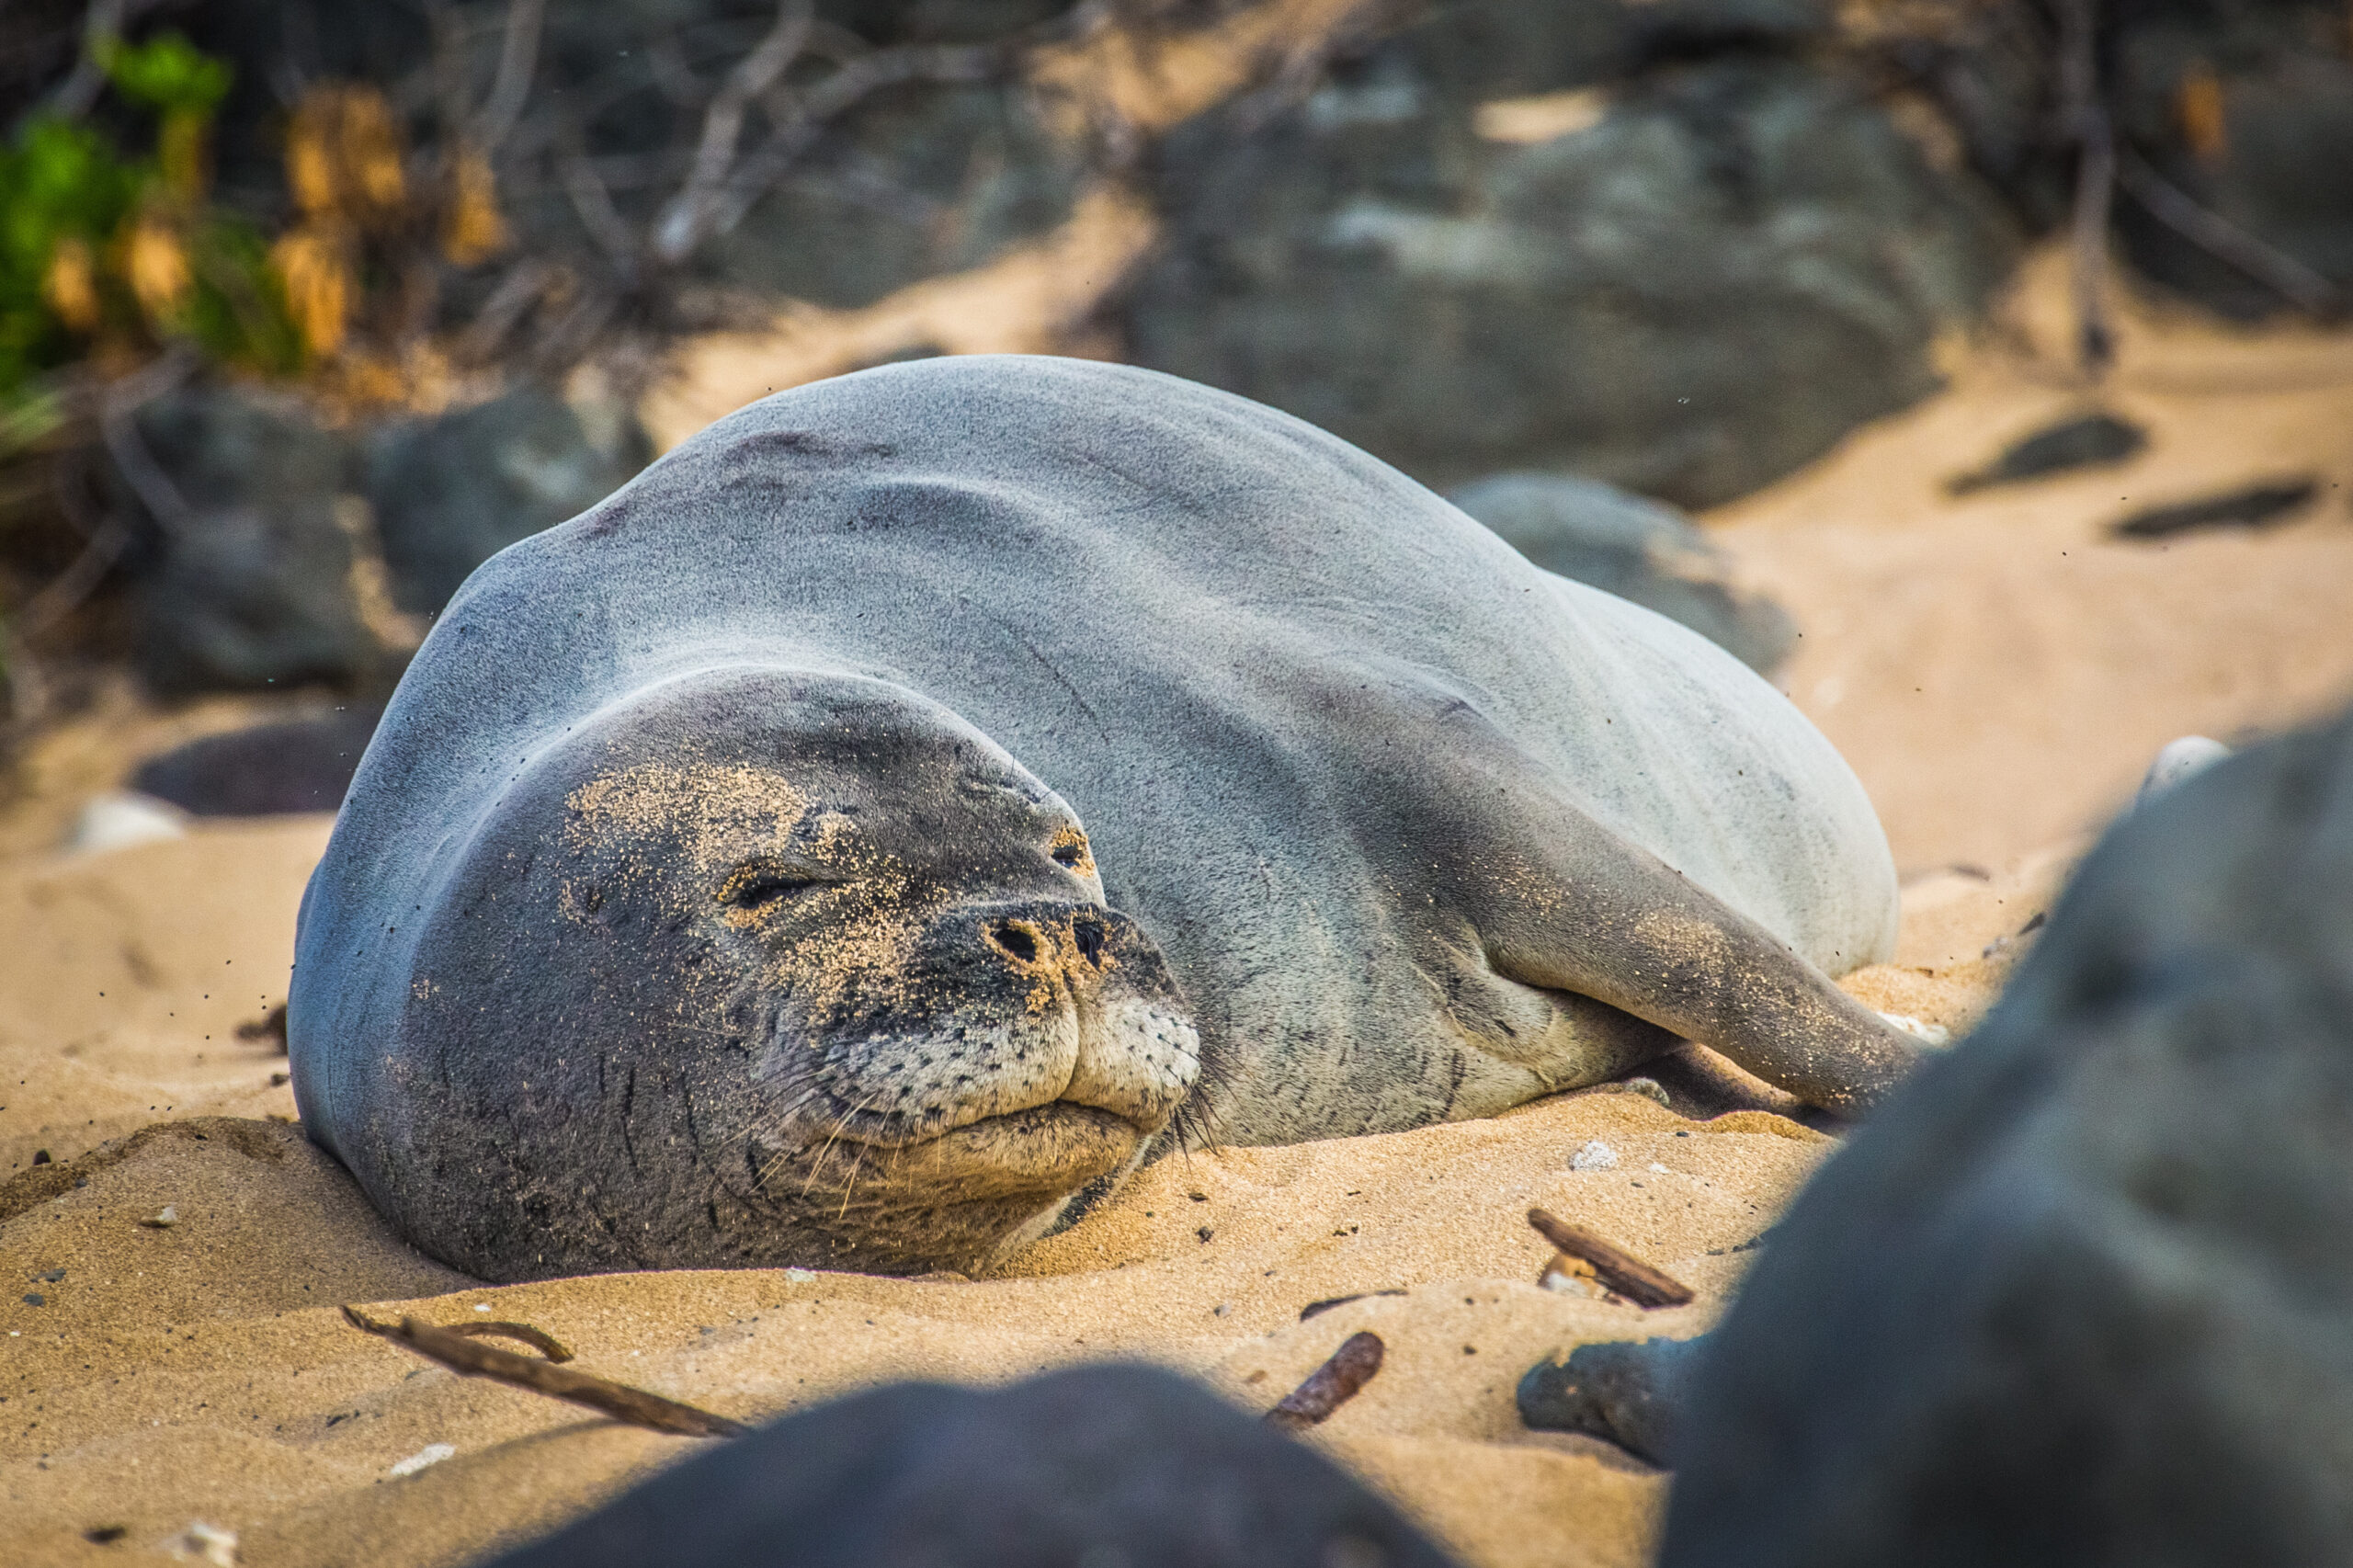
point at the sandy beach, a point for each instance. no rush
(1998, 668)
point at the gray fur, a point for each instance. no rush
(1423, 832)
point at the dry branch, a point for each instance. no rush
(685, 222)
(1621, 1271)
(2088, 123)
(518, 56)
(1331, 1385)
(2277, 270)
(455, 1350)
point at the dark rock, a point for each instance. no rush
(246, 569)
(2277, 171)
(1105, 1464)
(2269, 162)
(300, 765)
(922, 181)
(1629, 1392)
(450, 493)
(2256, 506)
(1738, 261)
(1638, 550)
(2089, 440)
(2078, 1293)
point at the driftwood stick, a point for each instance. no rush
(456, 1351)
(1331, 1385)
(538, 1339)
(1621, 1271)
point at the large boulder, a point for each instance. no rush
(244, 574)
(1099, 1466)
(2080, 1293)
(1688, 281)
(1636, 549)
(451, 492)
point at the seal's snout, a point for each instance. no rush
(995, 1009)
(1024, 942)
(1086, 932)
(1090, 978)
(1017, 939)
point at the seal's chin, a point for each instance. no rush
(1044, 1151)
(959, 1200)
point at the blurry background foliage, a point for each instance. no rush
(109, 254)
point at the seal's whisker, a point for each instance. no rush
(841, 1125)
(849, 1184)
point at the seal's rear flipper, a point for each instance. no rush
(1703, 1085)
(1560, 901)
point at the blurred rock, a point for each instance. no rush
(2090, 441)
(1629, 1392)
(299, 765)
(920, 182)
(2249, 507)
(1635, 549)
(2079, 1294)
(2243, 106)
(244, 571)
(1107, 1464)
(2176, 760)
(450, 493)
(2246, 106)
(1477, 246)
(120, 818)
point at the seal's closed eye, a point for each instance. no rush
(1069, 853)
(755, 887)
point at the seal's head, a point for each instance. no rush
(765, 967)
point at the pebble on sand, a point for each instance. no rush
(431, 1454)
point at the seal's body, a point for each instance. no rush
(721, 886)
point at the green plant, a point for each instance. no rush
(99, 247)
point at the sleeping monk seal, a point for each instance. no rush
(867, 827)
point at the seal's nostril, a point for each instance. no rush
(1088, 934)
(1015, 941)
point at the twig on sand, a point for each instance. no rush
(1331, 1385)
(1316, 1308)
(1621, 1271)
(455, 1349)
(538, 1339)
